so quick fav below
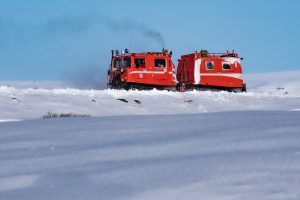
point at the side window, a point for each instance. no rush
(226, 66)
(117, 63)
(139, 62)
(126, 62)
(160, 63)
(209, 65)
(122, 62)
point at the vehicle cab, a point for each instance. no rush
(141, 70)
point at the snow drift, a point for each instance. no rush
(33, 100)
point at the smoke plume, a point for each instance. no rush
(74, 24)
(129, 25)
(68, 40)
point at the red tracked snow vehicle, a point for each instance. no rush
(142, 70)
(201, 71)
(213, 71)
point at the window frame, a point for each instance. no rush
(128, 58)
(160, 59)
(142, 66)
(226, 62)
(122, 61)
(213, 65)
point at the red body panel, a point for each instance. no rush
(216, 70)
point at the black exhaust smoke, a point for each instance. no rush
(46, 40)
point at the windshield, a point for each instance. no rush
(122, 62)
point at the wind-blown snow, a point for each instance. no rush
(17, 182)
(227, 155)
(166, 145)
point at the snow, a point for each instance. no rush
(242, 155)
(194, 145)
(17, 182)
(265, 92)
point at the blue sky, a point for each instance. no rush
(72, 39)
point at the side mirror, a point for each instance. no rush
(242, 58)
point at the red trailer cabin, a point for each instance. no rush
(204, 70)
(142, 70)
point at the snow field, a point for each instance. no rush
(151, 144)
(227, 155)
